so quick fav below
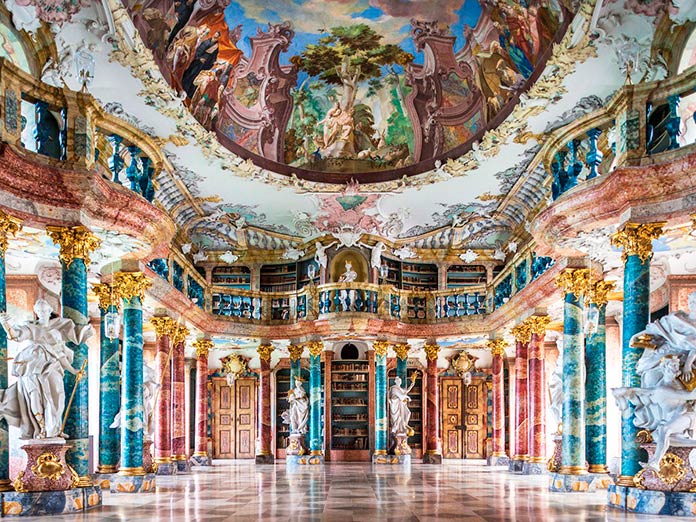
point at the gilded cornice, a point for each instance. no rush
(163, 325)
(75, 243)
(131, 284)
(401, 350)
(295, 351)
(264, 351)
(522, 333)
(9, 226)
(497, 346)
(315, 348)
(381, 347)
(108, 295)
(599, 292)
(636, 239)
(202, 347)
(431, 351)
(574, 281)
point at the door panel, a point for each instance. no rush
(246, 425)
(475, 414)
(451, 389)
(223, 420)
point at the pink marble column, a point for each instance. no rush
(164, 327)
(521, 424)
(498, 455)
(536, 463)
(179, 454)
(433, 454)
(200, 456)
(265, 456)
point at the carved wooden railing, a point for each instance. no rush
(72, 130)
(640, 125)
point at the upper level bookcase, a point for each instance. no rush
(411, 276)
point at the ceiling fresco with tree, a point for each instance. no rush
(364, 89)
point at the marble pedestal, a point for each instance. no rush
(133, 483)
(302, 461)
(432, 458)
(42, 503)
(534, 468)
(182, 464)
(166, 468)
(46, 468)
(635, 500)
(265, 459)
(589, 482)
(393, 460)
(499, 460)
(201, 460)
(516, 465)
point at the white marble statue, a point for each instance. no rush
(350, 275)
(297, 414)
(399, 412)
(320, 255)
(36, 402)
(664, 403)
(376, 254)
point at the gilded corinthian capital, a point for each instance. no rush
(522, 333)
(107, 294)
(401, 350)
(202, 347)
(131, 284)
(315, 348)
(574, 281)
(431, 351)
(381, 347)
(538, 323)
(636, 239)
(295, 351)
(497, 346)
(264, 351)
(9, 226)
(163, 325)
(75, 243)
(599, 292)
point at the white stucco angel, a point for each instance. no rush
(36, 402)
(376, 254)
(320, 255)
(399, 412)
(297, 414)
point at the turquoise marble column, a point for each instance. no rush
(596, 381)
(315, 436)
(401, 350)
(131, 287)
(109, 383)
(636, 241)
(76, 243)
(9, 226)
(381, 422)
(574, 283)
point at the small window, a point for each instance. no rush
(350, 351)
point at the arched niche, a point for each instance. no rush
(357, 260)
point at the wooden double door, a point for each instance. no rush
(463, 408)
(234, 419)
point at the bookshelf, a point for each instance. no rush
(236, 276)
(302, 276)
(463, 276)
(279, 278)
(416, 407)
(350, 399)
(411, 276)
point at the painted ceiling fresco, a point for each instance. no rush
(333, 89)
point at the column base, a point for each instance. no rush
(144, 483)
(517, 464)
(432, 458)
(201, 460)
(182, 464)
(395, 460)
(166, 468)
(498, 460)
(636, 500)
(534, 468)
(588, 482)
(42, 503)
(297, 461)
(265, 459)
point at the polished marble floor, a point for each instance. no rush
(241, 491)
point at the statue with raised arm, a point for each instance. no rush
(399, 412)
(350, 275)
(376, 254)
(297, 415)
(36, 402)
(320, 255)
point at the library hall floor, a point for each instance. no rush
(240, 490)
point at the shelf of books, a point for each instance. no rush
(282, 387)
(350, 399)
(232, 277)
(416, 407)
(410, 276)
(464, 276)
(279, 278)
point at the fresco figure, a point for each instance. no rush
(204, 59)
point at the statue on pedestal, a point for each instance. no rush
(297, 416)
(36, 402)
(400, 414)
(664, 403)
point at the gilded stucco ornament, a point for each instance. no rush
(131, 284)
(9, 226)
(202, 347)
(575, 281)
(295, 351)
(315, 348)
(463, 363)
(234, 366)
(107, 295)
(598, 293)
(497, 346)
(522, 333)
(179, 334)
(264, 351)
(636, 239)
(75, 243)
(401, 350)
(538, 324)
(431, 351)
(381, 347)
(164, 326)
